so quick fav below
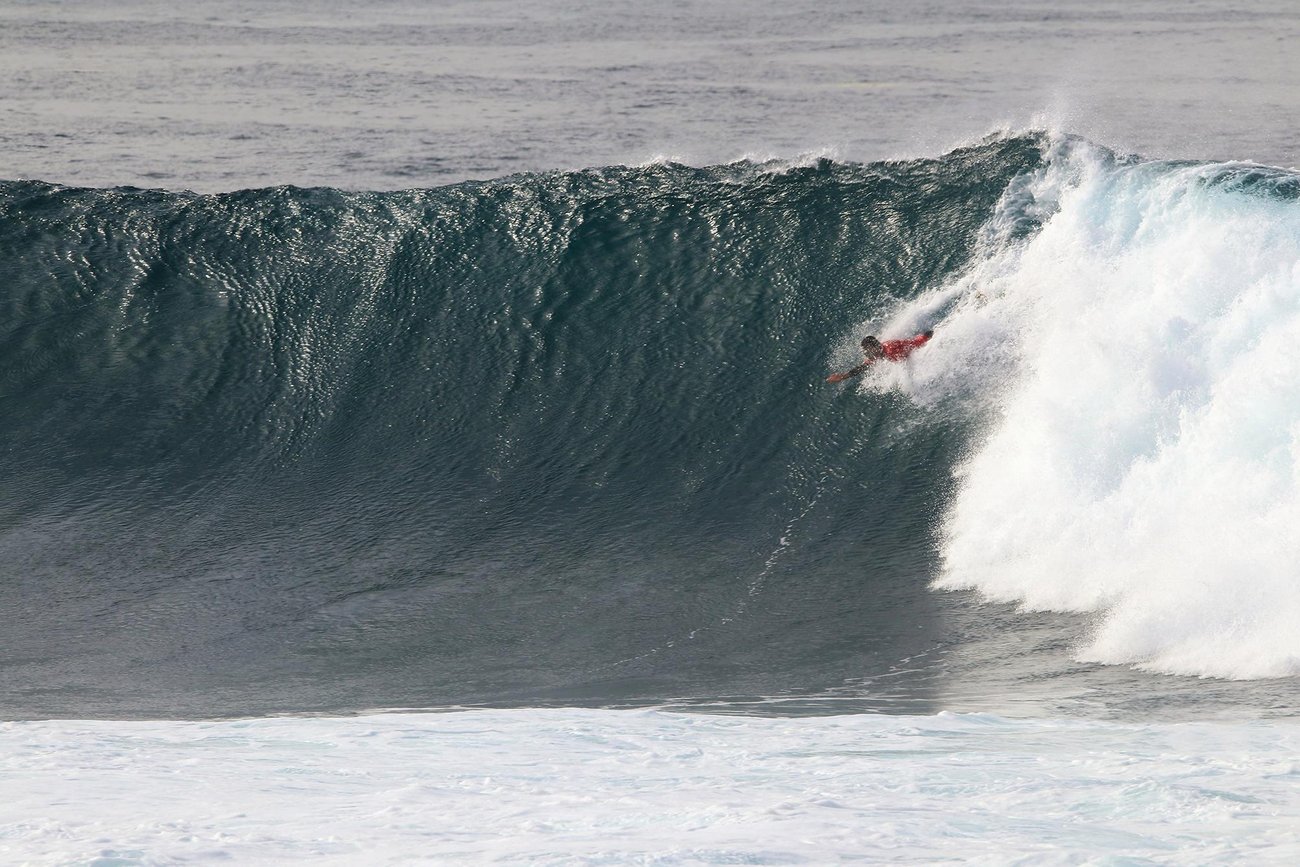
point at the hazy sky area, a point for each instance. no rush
(224, 95)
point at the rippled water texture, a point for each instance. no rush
(565, 438)
(231, 94)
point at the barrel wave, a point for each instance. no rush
(565, 438)
(549, 437)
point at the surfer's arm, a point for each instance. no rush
(840, 377)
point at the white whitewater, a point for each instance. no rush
(1137, 363)
(647, 787)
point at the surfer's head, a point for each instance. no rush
(871, 346)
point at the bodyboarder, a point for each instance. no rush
(891, 350)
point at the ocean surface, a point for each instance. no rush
(470, 359)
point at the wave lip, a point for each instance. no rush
(1142, 452)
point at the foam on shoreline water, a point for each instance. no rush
(602, 787)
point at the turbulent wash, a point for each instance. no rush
(1142, 457)
(564, 438)
(603, 787)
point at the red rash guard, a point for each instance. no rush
(897, 350)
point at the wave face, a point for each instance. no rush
(564, 438)
(550, 437)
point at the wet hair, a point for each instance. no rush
(870, 342)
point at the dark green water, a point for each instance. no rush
(555, 437)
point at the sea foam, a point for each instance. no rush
(1135, 365)
(572, 786)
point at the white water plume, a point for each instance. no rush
(1138, 365)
